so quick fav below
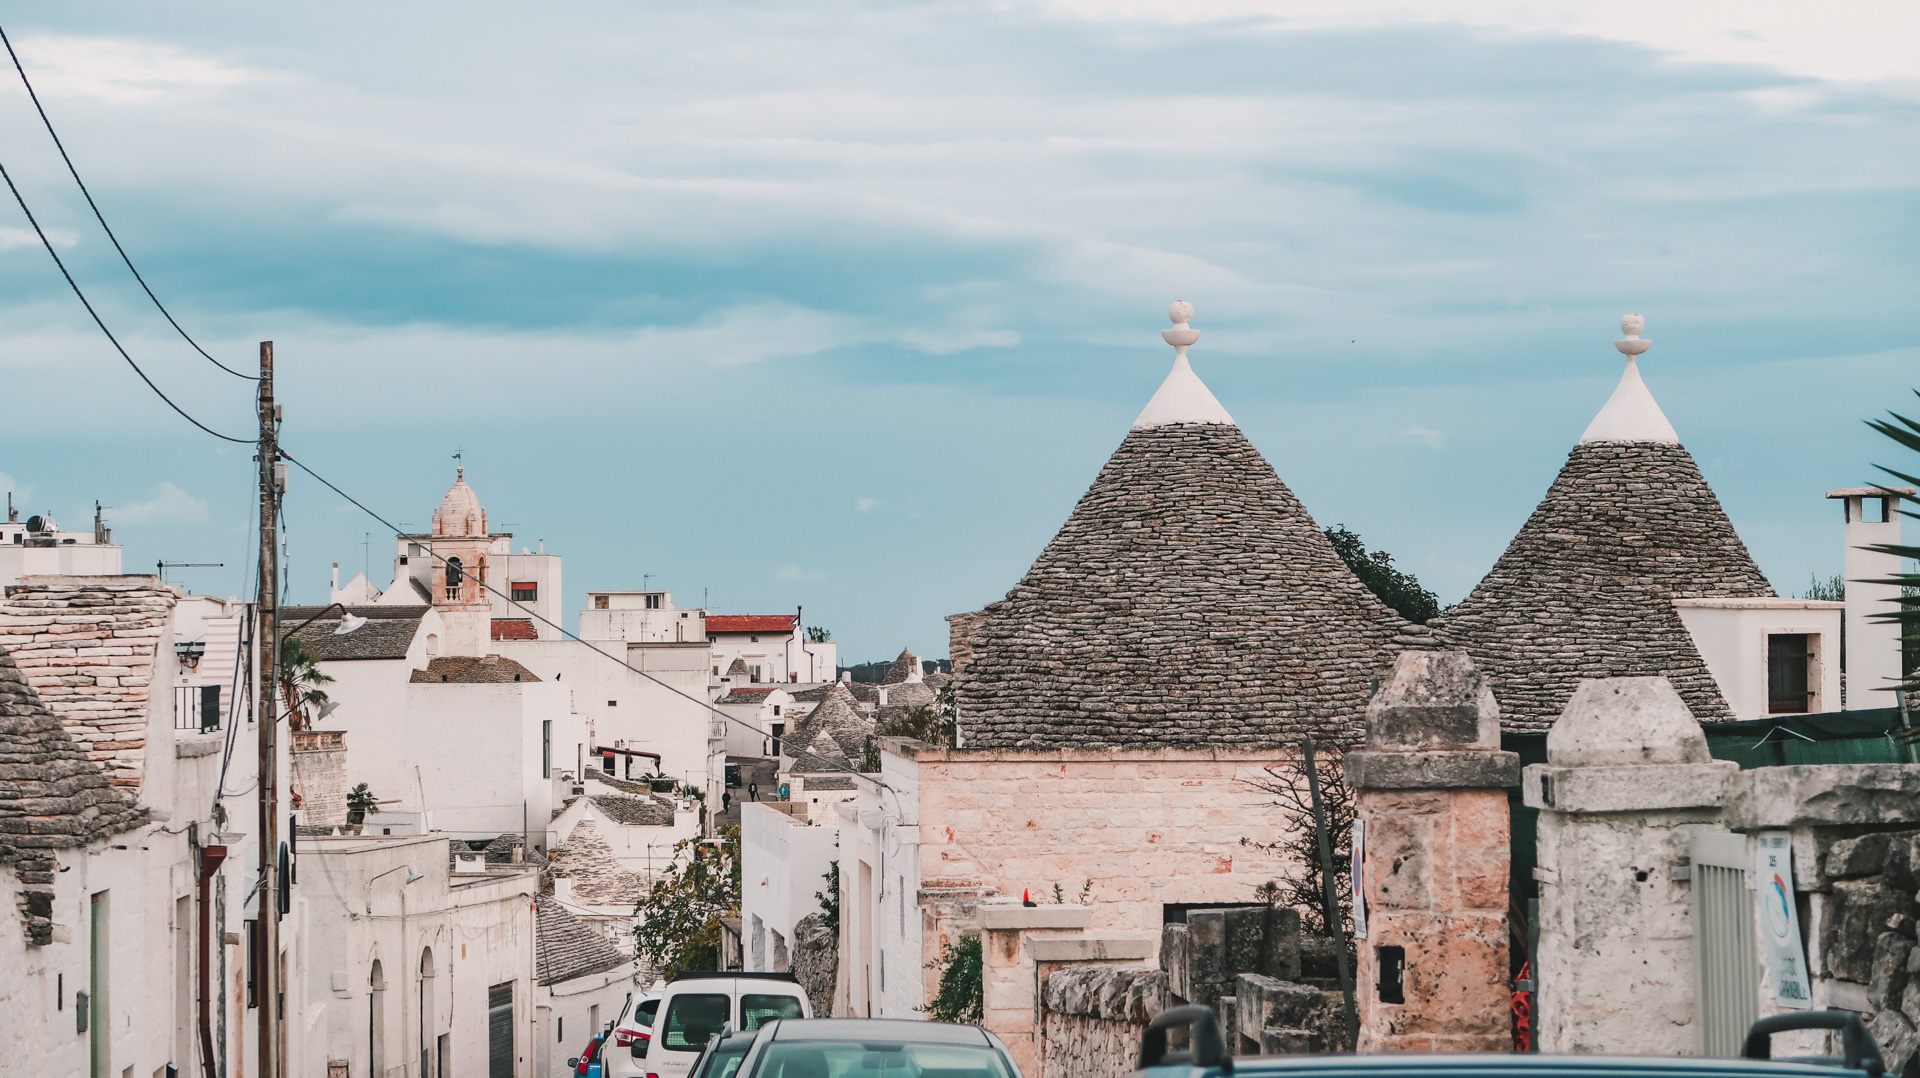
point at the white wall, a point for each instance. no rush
(1731, 635)
(541, 570)
(783, 657)
(782, 864)
(614, 704)
(625, 615)
(882, 957)
(567, 1012)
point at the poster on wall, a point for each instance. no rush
(1779, 920)
(1358, 863)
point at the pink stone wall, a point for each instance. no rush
(1435, 881)
(1147, 826)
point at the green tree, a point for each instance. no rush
(1832, 590)
(300, 681)
(817, 634)
(1905, 432)
(830, 898)
(1376, 570)
(962, 995)
(360, 801)
(679, 919)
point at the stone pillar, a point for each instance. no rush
(1627, 772)
(1010, 973)
(319, 761)
(1430, 788)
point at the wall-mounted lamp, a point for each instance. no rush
(189, 652)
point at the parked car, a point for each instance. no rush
(721, 1058)
(696, 1006)
(1206, 1056)
(875, 1048)
(587, 1064)
(631, 1031)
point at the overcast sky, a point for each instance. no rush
(843, 305)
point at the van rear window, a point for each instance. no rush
(756, 1011)
(692, 1020)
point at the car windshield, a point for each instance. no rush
(693, 1019)
(877, 1059)
(724, 1060)
(756, 1011)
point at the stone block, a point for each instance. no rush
(1823, 794)
(1897, 1040)
(1628, 788)
(1280, 953)
(1246, 931)
(1319, 959)
(1267, 1002)
(1862, 856)
(1088, 948)
(1176, 958)
(1887, 980)
(1433, 699)
(1005, 916)
(1438, 770)
(1286, 1042)
(1208, 962)
(1856, 915)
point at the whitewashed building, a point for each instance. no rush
(784, 864)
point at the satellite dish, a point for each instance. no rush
(36, 524)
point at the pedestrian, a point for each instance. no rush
(726, 800)
(753, 791)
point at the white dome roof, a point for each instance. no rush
(460, 513)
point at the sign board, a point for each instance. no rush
(1779, 921)
(1357, 874)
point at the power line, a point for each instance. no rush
(75, 285)
(98, 216)
(704, 704)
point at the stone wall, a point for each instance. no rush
(320, 776)
(87, 645)
(1094, 1016)
(816, 961)
(1866, 935)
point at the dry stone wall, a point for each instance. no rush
(1866, 935)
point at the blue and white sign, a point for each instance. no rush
(1779, 921)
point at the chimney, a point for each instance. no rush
(336, 579)
(1873, 645)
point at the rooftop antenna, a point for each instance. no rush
(162, 566)
(13, 515)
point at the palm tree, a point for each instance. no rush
(300, 681)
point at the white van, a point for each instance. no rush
(695, 1007)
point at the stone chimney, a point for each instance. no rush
(1873, 646)
(320, 776)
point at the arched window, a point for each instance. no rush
(426, 1012)
(376, 1021)
(433, 643)
(455, 573)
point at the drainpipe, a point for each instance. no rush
(210, 859)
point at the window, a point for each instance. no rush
(500, 1056)
(613, 703)
(753, 674)
(776, 711)
(599, 602)
(1789, 664)
(653, 602)
(692, 1019)
(756, 1011)
(526, 591)
(606, 763)
(455, 573)
(196, 707)
(755, 639)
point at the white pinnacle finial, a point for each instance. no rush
(1631, 414)
(1633, 344)
(1182, 398)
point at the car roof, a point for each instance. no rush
(1401, 1065)
(907, 1030)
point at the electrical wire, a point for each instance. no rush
(98, 216)
(75, 285)
(706, 705)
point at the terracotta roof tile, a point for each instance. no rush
(751, 623)
(514, 629)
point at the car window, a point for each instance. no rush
(723, 1062)
(693, 1019)
(643, 1014)
(878, 1059)
(758, 1010)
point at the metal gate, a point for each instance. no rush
(500, 1054)
(1726, 951)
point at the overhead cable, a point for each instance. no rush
(75, 285)
(98, 216)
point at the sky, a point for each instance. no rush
(841, 306)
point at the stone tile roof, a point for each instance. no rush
(565, 947)
(1585, 589)
(598, 879)
(52, 797)
(514, 629)
(865, 692)
(843, 782)
(87, 645)
(639, 811)
(746, 696)
(836, 719)
(388, 633)
(904, 669)
(1190, 599)
(910, 694)
(472, 670)
(751, 623)
(738, 668)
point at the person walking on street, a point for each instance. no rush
(753, 791)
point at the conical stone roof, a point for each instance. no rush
(1586, 588)
(1189, 600)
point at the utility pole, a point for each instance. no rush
(268, 971)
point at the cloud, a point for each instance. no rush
(169, 505)
(10, 485)
(1424, 435)
(794, 572)
(121, 71)
(24, 237)
(866, 505)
